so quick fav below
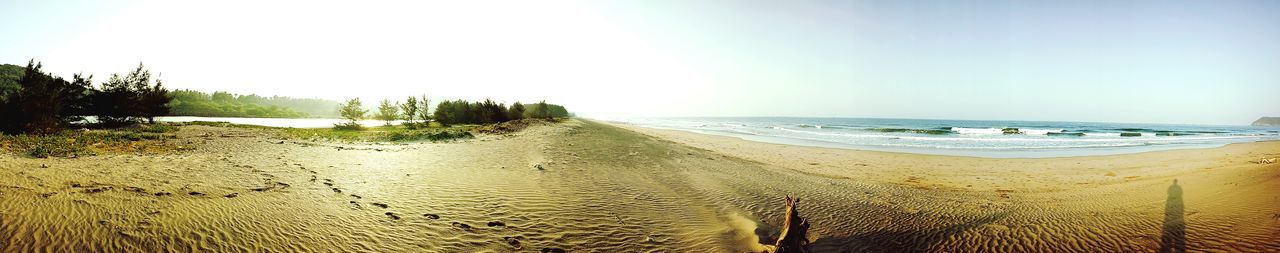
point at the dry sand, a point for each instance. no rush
(584, 186)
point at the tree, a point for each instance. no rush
(388, 111)
(516, 112)
(124, 99)
(542, 111)
(424, 109)
(491, 112)
(111, 104)
(410, 109)
(38, 102)
(443, 113)
(43, 104)
(352, 111)
(154, 102)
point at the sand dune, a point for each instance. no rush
(594, 187)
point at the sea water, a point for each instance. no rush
(979, 138)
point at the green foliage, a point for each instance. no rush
(130, 98)
(223, 104)
(424, 109)
(348, 126)
(410, 109)
(487, 112)
(383, 133)
(352, 111)
(42, 103)
(388, 111)
(158, 128)
(79, 143)
(9, 75)
(418, 135)
(516, 112)
(543, 110)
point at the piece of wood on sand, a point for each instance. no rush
(794, 231)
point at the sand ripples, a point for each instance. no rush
(580, 187)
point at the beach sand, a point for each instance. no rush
(586, 186)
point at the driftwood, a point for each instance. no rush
(794, 231)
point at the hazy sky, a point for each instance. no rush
(1214, 62)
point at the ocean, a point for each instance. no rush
(979, 138)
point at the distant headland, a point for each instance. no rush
(1267, 121)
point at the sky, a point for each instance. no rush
(1195, 62)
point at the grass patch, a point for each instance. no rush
(74, 143)
(220, 124)
(159, 128)
(383, 133)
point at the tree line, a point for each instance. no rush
(41, 103)
(224, 104)
(417, 111)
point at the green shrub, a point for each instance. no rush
(159, 128)
(349, 126)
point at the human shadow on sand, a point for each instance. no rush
(1173, 237)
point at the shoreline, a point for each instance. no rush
(840, 158)
(960, 152)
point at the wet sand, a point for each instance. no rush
(585, 186)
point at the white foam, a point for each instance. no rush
(962, 130)
(1040, 131)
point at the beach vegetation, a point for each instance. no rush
(352, 112)
(424, 109)
(388, 111)
(409, 110)
(42, 103)
(516, 112)
(451, 112)
(382, 133)
(90, 142)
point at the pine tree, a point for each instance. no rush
(38, 102)
(388, 111)
(352, 111)
(542, 112)
(410, 109)
(516, 112)
(424, 109)
(154, 102)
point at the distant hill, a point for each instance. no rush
(1267, 121)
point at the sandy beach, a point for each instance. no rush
(588, 186)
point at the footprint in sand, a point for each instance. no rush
(513, 241)
(335, 189)
(356, 196)
(232, 195)
(462, 226)
(160, 194)
(431, 216)
(135, 189)
(498, 224)
(393, 215)
(380, 205)
(195, 193)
